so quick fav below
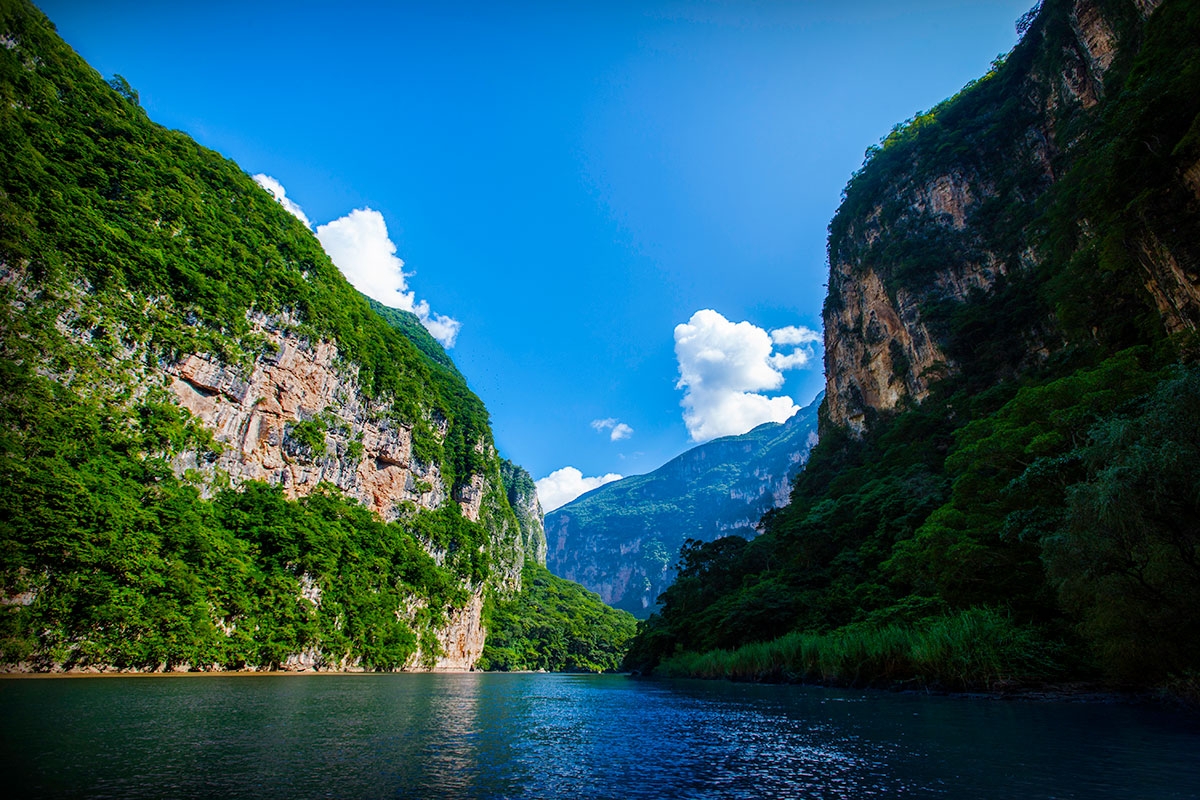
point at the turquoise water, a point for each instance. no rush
(566, 736)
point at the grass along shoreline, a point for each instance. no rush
(979, 648)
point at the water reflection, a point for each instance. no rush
(551, 736)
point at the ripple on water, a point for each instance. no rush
(552, 736)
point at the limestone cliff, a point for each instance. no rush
(352, 444)
(945, 214)
(214, 453)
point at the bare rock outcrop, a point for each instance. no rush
(258, 418)
(932, 236)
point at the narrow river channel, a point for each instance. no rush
(569, 736)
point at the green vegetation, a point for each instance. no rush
(1036, 516)
(123, 247)
(955, 651)
(126, 565)
(133, 228)
(310, 434)
(555, 625)
(410, 325)
(522, 497)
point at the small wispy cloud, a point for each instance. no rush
(725, 368)
(564, 485)
(794, 334)
(617, 430)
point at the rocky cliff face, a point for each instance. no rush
(938, 217)
(522, 496)
(170, 338)
(623, 539)
(351, 443)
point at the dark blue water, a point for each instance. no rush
(562, 736)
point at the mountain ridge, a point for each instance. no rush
(620, 539)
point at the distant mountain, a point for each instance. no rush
(622, 540)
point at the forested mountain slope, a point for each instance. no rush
(213, 453)
(621, 540)
(1008, 481)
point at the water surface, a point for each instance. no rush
(566, 736)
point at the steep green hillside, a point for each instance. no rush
(622, 539)
(523, 498)
(410, 325)
(1007, 484)
(149, 291)
(554, 625)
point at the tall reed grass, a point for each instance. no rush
(977, 648)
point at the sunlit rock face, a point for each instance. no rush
(255, 418)
(523, 498)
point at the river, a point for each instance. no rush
(570, 736)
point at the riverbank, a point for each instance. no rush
(1184, 698)
(978, 652)
(106, 671)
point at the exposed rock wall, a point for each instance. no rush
(523, 498)
(255, 418)
(363, 452)
(883, 346)
(253, 414)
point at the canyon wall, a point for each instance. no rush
(941, 216)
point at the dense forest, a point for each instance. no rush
(126, 247)
(1035, 516)
(555, 625)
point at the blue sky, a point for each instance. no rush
(568, 184)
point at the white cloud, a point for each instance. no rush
(794, 334)
(275, 188)
(620, 431)
(564, 485)
(803, 353)
(793, 360)
(444, 329)
(617, 430)
(359, 245)
(723, 369)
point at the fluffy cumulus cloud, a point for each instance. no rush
(617, 430)
(276, 190)
(359, 245)
(725, 368)
(564, 485)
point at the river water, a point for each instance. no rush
(570, 736)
